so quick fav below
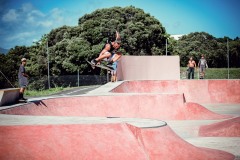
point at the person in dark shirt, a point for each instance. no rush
(23, 78)
(108, 50)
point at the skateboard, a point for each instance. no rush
(99, 66)
(22, 101)
(201, 76)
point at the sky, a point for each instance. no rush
(23, 22)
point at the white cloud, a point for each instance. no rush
(56, 15)
(53, 18)
(10, 16)
(27, 7)
(35, 40)
(21, 39)
(46, 23)
(20, 36)
(55, 12)
(22, 25)
(34, 16)
(37, 13)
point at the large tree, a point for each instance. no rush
(141, 33)
(68, 47)
(215, 49)
(9, 65)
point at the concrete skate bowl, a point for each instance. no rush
(198, 91)
(32, 137)
(227, 128)
(91, 140)
(154, 106)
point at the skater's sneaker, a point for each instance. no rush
(109, 63)
(22, 99)
(110, 66)
(94, 62)
(25, 99)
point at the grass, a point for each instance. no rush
(33, 93)
(217, 73)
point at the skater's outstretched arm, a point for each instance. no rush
(118, 38)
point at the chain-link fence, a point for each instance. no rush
(39, 83)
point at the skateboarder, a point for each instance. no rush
(108, 50)
(113, 64)
(23, 79)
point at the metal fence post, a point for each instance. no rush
(78, 77)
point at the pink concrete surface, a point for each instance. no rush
(106, 141)
(165, 100)
(163, 143)
(149, 68)
(154, 106)
(99, 141)
(199, 91)
(227, 128)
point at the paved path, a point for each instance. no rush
(77, 90)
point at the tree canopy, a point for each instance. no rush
(141, 34)
(215, 49)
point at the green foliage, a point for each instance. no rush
(10, 64)
(215, 73)
(44, 92)
(222, 73)
(141, 34)
(3, 69)
(215, 50)
(38, 84)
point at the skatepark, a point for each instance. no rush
(142, 116)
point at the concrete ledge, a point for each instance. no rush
(9, 96)
(149, 68)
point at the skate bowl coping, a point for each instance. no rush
(9, 96)
(199, 91)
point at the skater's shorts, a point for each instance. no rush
(23, 83)
(202, 68)
(114, 66)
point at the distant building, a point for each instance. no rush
(176, 36)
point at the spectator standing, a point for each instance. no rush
(22, 78)
(202, 64)
(191, 67)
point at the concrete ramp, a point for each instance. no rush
(154, 106)
(9, 96)
(99, 141)
(149, 68)
(198, 91)
(66, 127)
(163, 143)
(227, 128)
(106, 141)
